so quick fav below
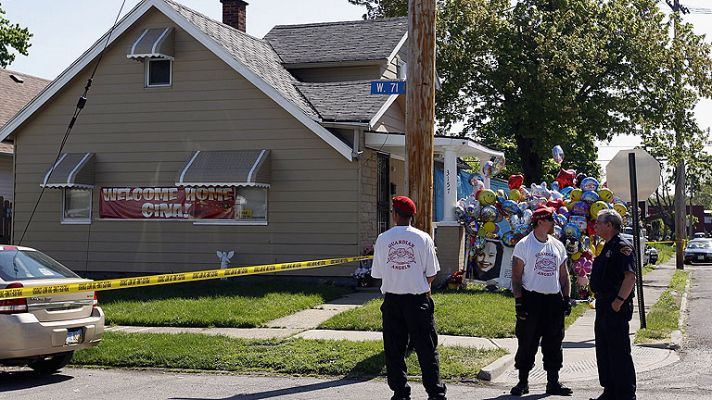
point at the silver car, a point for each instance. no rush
(43, 332)
(698, 250)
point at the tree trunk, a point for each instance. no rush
(531, 160)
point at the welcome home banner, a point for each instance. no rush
(167, 203)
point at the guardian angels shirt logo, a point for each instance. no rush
(401, 253)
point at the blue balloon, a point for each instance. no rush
(572, 230)
(590, 197)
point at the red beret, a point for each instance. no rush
(542, 212)
(403, 205)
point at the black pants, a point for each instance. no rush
(616, 371)
(407, 318)
(545, 324)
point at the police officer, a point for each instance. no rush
(404, 258)
(541, 287)
(613, 280)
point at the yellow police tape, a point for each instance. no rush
(166, 279)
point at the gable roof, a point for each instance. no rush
(370, 40)
(344, 101)
(16, 89)
(259, 66)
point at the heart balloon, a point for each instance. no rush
(515, 181)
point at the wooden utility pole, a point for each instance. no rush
(679, 203)
(420, 109)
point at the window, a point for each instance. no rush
(76, 207)
(402, 70)
(158, 72)
(251, 204)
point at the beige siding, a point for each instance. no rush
(142, 137)
(393, 120)
(338, 74)
(368, 229)
(6, 190)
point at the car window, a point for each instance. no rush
(26, 265)
(699, 245)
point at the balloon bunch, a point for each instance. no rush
(577, 198)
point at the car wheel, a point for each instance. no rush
(51, 364)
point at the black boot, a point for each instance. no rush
(522, 387)
(554, 387)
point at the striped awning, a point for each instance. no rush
(72, 170)
(153, 43)
(226, 168)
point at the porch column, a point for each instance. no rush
(485, 179)
(450, 185)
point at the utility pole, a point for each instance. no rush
(680, 212)
(420, 109)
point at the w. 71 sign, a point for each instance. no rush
(388, 87)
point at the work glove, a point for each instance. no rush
(567, 305)
(519, 309)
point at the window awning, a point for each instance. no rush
(226, 168)
(72, 170)
(153, 43)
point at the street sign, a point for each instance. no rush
(647, 170)
(388, 87)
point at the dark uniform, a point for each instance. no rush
(616, 372)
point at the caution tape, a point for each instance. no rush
(167, 279)
(662, 242)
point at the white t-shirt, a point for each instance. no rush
(541, 263)
(404, 257)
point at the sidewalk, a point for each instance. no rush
(579, 351)
(579, 343)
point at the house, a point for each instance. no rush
(198, 138)
(16, 90)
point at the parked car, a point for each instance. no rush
(698, 250)
(43, 332)
(651, 253)
(627, 234)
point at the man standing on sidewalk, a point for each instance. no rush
(404, 258)
(541, 287)
(613, 280)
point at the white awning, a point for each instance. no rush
(394, 143)
(226, 168)
(72, 170)
(153, 43)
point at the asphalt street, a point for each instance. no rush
(690, 378)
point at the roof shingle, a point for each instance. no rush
(337, 41)
(343, 101)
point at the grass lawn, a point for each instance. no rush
(281, 356)
(663, 317)
(231, 303)
(470, 312)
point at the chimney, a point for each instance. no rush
(235, 14)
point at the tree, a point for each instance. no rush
(12, 36)
(383, 8)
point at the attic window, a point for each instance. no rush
(16, 78)
(158, 72)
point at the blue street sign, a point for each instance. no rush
(388, 87)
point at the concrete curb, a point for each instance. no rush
(497, 368)
(677, 337)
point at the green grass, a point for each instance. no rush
(665, 313)
(280, 356)
(665, 251)
(237, 304)
(470, 312)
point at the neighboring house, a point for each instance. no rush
(198, 138)
(16, 90)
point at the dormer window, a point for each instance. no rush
(158, 72)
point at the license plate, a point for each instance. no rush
(75, 336)
(700, 257)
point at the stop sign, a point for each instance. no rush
(647, 169)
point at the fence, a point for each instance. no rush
(5, 220)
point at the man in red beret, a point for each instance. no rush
(404, 258)
(541, 287)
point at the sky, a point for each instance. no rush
(64, 29)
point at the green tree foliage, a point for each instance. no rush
(12, 36)
(526, 75)
(383, 8)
